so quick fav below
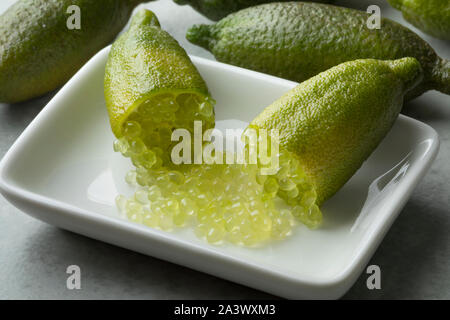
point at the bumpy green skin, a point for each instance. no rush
(38, 53)
(431, 16)
(144, 61)
(335, 120)
(218, 9)
(297, 40)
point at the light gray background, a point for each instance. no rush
(414, 257)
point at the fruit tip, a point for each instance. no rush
(199, 34)
(145, 17)
(409, 70)
(441, 76)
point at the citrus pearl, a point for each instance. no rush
(271, 185)
(121, 145)
(137, 146)
(121, 202)
(150, 219)
(141, 196)
(134, 211)
(130, 177)
(132, 129)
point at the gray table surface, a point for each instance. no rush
(414, 257)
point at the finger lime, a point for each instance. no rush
(152, 87)
(38, 50)
(296, 41)
(218, 9)
(431, 16)
(330, 124)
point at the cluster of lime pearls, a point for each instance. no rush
(233, 203)
(288, 181)
(221, 202)
(147, 132)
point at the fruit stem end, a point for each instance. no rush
(199, 34)
(409, 70)
(145, 17)
(441, 76)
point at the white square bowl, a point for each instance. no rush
(62, 170)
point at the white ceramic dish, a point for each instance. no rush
(62, 170)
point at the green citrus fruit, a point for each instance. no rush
(151, 88)
(330, 124)
(296, 41)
